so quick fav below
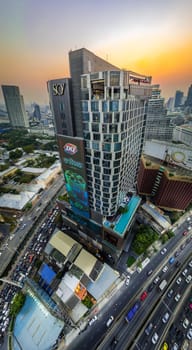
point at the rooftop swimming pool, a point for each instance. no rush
(124, 219)
(35, 328)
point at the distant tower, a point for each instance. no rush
(15, 106)
(36, 112)
(178, 98)
(157, 123)
(188, 102)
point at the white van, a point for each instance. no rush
(110, 321)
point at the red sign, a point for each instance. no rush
(69, 148)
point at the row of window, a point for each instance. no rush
(110, 106)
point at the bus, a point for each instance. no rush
(131, 313)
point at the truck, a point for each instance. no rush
(132, 311)
(162, 285)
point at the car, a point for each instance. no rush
(165, 268)
(189, 334)
(109, 321)
(175, 347)
(178, 263)
(149, 272)
(182, 246)
(188, 279)
(171, 260)
(164, 346)
(190, 306)
(94, 318)
(151, 286)
(163, 251)
(149, 328)
(177, 297)
(185, 233)
(165, 317)
(156, 280)
(155, 338)
(143, 296)
(190, 263)
(176, 253)
(170, 293)
(185, 323)
(184, 272)
(179, 280)
(189, 228)
(127, 280)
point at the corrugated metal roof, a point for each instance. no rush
(62, 242)
(85, 261)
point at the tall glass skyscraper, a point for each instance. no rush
(100, 115)
(15, 106)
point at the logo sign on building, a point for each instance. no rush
(58, 89)
(69, 148)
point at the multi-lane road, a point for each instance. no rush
(26, 225)
(99, 336)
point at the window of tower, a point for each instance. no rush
(97, 89)
(97, 154)
(117, 146)
(107, 117)
(106, 147)
(96, 117)
(114, 106)
(107, 156)
(116, 93)
(94, 106)
(113, 128)
(107, 137)
(114, 78)
(84, 105)
(116, 138)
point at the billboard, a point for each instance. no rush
(73, 162)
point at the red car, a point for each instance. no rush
(143, 296)
(185, 233)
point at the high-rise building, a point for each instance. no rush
(15, 106)
(36, 112)
(100, 146)
(188, 102)
(169, 187)
(157, 123)
(178, 99)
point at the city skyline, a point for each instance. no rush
(149, 38)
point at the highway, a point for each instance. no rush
(98, 336)
(11, 247)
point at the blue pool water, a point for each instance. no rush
(35, 328)
(125, 218)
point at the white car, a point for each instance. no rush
(179, 280)
(177, 297)
(165, 317)
(156, 280)
(110, 321)
(184, 272)
(155, 338)
(163, 251)
(185, 323)
(93, 320)
(188, 279)
(189, 334)
(127, 280)
(190, 263)
(165, 268)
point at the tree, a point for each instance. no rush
(28, 148)
(15, 154)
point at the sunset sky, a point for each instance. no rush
(147, 36)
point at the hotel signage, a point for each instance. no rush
(58, 89)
